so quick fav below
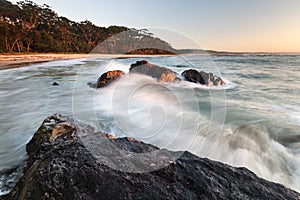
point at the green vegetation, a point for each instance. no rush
(28, 27)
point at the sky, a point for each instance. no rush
(226, 25)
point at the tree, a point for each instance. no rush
(30, 27)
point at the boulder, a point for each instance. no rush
(160, 73)
(194, 76)
(107, 78)
(202, 77)
(59, 166)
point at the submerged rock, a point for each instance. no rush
(202, 77)
(107, 78)
(60, 167)
(160, 73)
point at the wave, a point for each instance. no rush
(243, 130)
(172, 116)
(37, 66)
(229, 85)
(115, 65)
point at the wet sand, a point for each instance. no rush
(9, 61)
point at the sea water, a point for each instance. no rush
(253, 121)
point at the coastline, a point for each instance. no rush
(10, 61)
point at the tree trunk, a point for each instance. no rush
(76, 47)
(18, 46)
(13, 45)
(7, 44)
(28, 46)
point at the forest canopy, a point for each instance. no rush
(29, 27)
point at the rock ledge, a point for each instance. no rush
(60, 167)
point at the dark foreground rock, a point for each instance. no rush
(107, 78)
(160, 73)
(60, 167)
(202, 77)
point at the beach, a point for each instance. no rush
(9, 61)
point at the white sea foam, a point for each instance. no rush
(185, 84)
(142, 107)
(114, 65)
(169, 117)
(172, 115)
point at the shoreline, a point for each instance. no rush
(11, 61)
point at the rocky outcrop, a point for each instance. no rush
(202, 77)
(107, 78)
(59, 166)
(160, 73)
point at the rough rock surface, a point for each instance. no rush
(107, 78)
(202, 77)
(60, 167)
(161, 73)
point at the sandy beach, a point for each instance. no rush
(8, 61)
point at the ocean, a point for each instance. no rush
(253, 121)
